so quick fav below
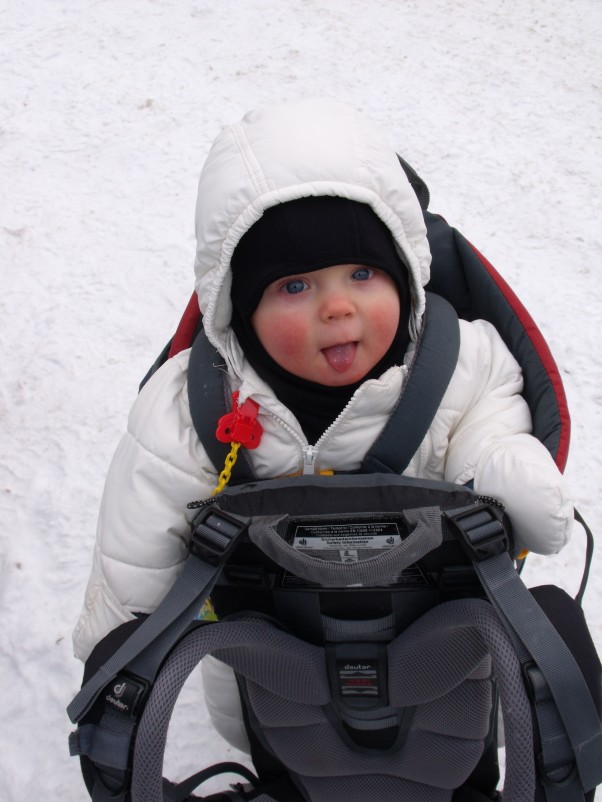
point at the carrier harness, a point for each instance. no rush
(376, 623)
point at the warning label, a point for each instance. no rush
(350, 542)
(380, 535)
(347, 542)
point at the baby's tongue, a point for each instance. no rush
(340, 357)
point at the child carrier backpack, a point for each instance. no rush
(376, 623)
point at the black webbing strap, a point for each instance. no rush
(433, 366)
(208, 403)
(589, 554)
(569, 725)
(213, 542)
(181, 791)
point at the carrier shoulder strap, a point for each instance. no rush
(208, 400)
(570, 759)
(435, 361)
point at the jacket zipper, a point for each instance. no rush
(198, 505)
(493, 502)
(310, 455)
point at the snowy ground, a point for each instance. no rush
(107, 110)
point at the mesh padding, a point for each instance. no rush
(371, 788)
(274, 711)
(466, 709)
(454, 649)
(440, 664)
(256, 646)
(426, 758)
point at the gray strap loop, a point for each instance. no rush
(369, 723)
(373, 572)
(349, 630)
(103, 745)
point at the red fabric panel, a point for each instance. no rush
(544, 353)
(182, 339)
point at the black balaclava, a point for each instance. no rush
(299, 237)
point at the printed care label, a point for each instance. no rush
(348, 542)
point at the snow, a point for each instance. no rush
(107, 112)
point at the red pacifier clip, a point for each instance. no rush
(239, 428)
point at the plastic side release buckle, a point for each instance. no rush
(480, 531)
(215, 533)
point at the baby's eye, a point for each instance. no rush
(295, 286)
(362, 274)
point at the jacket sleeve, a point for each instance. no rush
(492, 444)
(143, 526)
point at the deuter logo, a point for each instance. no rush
(120, 697)
(125, 694)
(356, 667)
(116, 703)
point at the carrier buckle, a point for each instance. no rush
(481, 533)
(215, 533)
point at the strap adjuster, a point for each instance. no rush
(480, 531)
(536, 686)
(557, 775)
(215, 533)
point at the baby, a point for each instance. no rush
(311, 263)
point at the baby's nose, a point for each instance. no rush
(338, 305)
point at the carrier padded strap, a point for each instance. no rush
(146, 648)
(207, 399)
(430, 373)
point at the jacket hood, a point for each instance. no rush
(292, 150)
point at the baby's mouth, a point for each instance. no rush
(340, 357)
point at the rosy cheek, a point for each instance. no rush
(287, 339)
(385, 321)
(289, 334)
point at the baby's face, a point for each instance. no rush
(330, 326)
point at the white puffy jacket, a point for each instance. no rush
(480, 432)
